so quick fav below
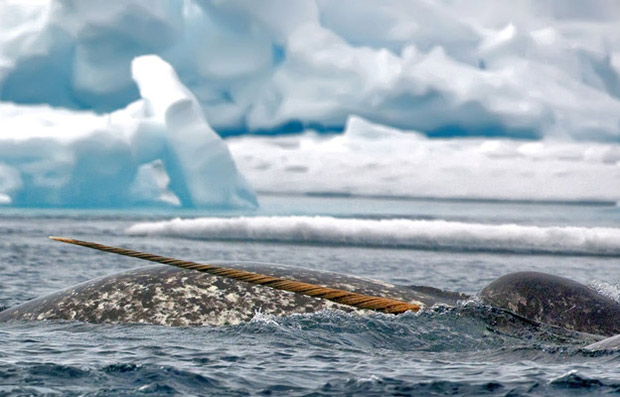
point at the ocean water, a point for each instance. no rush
(470, 350)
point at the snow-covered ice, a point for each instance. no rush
(375, 160)
(534, 85)
(451, 67)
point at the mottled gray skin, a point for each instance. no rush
(165, 295)
(554, 300)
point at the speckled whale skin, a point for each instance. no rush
(554, 300)
(165, 295)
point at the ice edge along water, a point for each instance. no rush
(369, 159)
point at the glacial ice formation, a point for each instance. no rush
(156, 151)
(533, 87)
(539, 68)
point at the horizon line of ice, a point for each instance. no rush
(369, 159)
(393, 233)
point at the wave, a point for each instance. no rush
(397, 233)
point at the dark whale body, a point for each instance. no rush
(554, 300)
(165, 295)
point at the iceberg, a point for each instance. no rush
(443, 68)
(105, 103)
(159, 150)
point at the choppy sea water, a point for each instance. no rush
(438, 352)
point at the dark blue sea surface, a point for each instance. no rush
(469, 350)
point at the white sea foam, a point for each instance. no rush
(612, 291)
(404, 233)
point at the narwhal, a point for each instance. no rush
(184, 293)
